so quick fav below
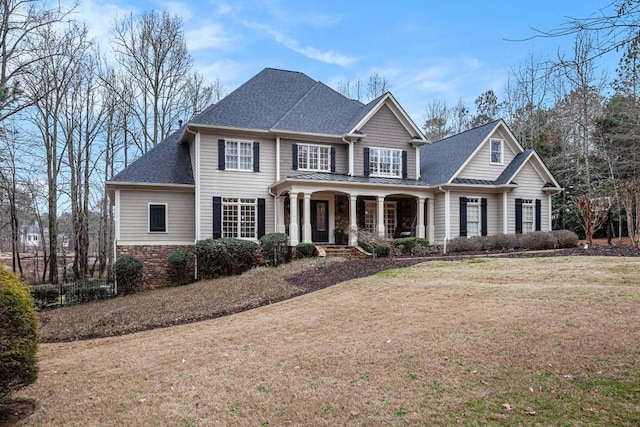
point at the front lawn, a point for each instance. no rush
(538, 341)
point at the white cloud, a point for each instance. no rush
(99, 17)
(311, 52)
(209, 36)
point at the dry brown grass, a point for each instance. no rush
(442, 343)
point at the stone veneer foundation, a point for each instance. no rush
(154, 259)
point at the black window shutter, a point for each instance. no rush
(221, 154)
(483, 216)
(333, 159)
(294, 157)
(518, 216)
(261, 215)
(366, 161)
(361, 211)
(463, 216)
(538, 214)
(256, 157)
(404, 164)
(217, 217)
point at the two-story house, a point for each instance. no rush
(286, 153)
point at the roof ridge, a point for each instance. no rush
(298, 102)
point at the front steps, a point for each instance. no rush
(343, 251)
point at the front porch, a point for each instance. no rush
(324, 216)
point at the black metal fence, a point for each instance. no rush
(58, 295)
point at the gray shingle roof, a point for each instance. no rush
(440, 161)
(283, 100)
(168, 162)
(507, 174)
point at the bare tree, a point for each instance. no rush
(377, 86)
(460, 116)
(153, 53)
(198, 96)
(592, 213)
(437, 121)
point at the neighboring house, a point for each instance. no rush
(286, 153)
(31, 238)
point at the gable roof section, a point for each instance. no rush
(168, 162)
(440, 160)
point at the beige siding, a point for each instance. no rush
(342, 157)
(384, 130)
(480, 166)
(134, 216)
(227, 183)
(439, 212)
(529, 187)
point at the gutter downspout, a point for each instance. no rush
(351, 149)
(196, 173)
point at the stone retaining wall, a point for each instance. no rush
(154, 259)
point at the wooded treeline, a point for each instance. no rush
(74, 112)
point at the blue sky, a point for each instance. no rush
(427, 49)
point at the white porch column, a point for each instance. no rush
(353, 221)
(381, 225)
(294, 231)
(431, 219)
(280, 228)
(420, 228)
(306, 227)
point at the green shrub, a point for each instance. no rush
(538, 240)
(464, 244)
(224, 257)
(275, 248)
(18, 335)
(373, 244)
(565, 238)
(177, 267)
(499, 242)
(83, 295)
(305, 250)
(411, 246)
(128, 271)
(45, 295)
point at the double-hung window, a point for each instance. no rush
(528, 215)
(239, 155)
(239, 217)
(473, 217)
(496, 151)
(385, 162)
(314, 157)
(157, 217)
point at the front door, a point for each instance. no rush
(319, 220)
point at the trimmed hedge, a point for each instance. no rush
(411, 246)
(128, 271)
(224, 257)
(537, 240)
(18, 335)
(305, 250)
(177, 265)
(275, 248)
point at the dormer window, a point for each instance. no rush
(384, 162)
(496, 151)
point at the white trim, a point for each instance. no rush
(447, 215)
(198, 202)
(154, 243)
(549, 213)
(166, 217)
(237, 204)
(147, 184)
(505, 213)
(397, 110)
(238, 142)
(117, 217)
(391, 150)
(501, 161)
(277, 158)
(473, 155)
(309, 169)
(351, 159)
(417, 163)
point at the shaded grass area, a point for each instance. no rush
(440, 343)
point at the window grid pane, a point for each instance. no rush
(473, 217)
(385, 162)
(239, 218)
(239, 155)
(312, 157)
(527, 216)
